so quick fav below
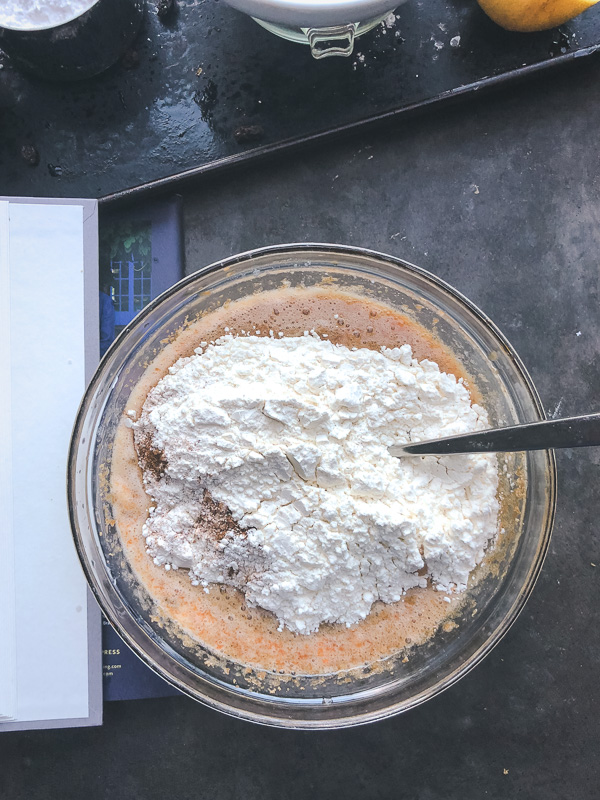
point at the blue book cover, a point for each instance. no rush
(124, 676)
(141, 255)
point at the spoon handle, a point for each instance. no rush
(569, 432)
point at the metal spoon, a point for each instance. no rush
(569, 432)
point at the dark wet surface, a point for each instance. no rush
(204, 72)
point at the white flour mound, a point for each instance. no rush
(35, 14)
(292, 435)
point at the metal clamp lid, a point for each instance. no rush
(334, 41)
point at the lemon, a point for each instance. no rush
(533, 15)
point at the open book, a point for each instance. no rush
(50, 651)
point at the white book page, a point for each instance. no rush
(8, 642)
(47, 382)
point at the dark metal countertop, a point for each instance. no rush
(500, 196)
(209, 87)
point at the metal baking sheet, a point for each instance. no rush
(210, 88)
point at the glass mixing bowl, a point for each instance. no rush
(496, 593)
